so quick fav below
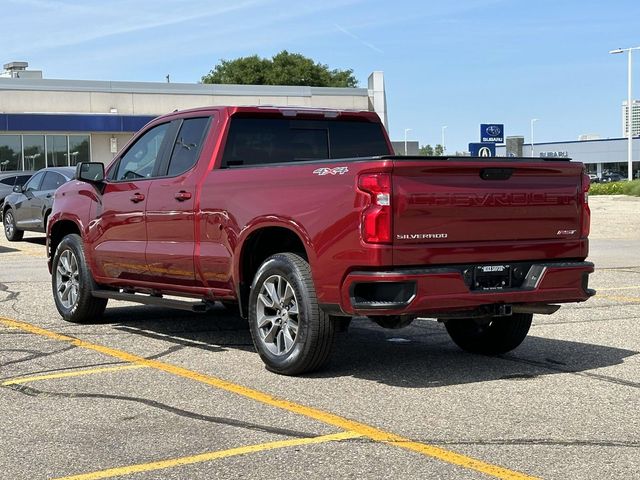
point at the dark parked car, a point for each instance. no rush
(613, 177)
(29, 205)
(10, 179)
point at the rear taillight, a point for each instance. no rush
(376, 217)
(584, 200)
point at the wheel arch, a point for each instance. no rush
(260, 243)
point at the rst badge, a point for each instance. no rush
(331, 171)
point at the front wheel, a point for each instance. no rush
(490, 336)
(290, 332)
(10, 230)
(73, 284)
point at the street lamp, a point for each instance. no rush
(406, 130)
(533, 120)
(444, 147)
(629, 109)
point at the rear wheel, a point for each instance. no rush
(490, 336)
(73, 284)
(290, 332)
(10, 230)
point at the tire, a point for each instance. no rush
(290, 332)
(10, 230)
(73, 284)
(499, 335)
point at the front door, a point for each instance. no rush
(119, 234)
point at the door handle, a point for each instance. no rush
(137, 197)
(181, 196)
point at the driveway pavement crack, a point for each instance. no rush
(34, 392)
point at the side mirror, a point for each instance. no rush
(92, 172)
(18, 188)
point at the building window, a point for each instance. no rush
(34, 153)
(57, 152)
(79, 149)
(10, 152)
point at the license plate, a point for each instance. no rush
(492, 277)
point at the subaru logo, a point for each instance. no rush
(494, 131)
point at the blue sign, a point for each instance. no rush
(483, 149)
(492, 132)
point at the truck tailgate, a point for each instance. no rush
(454, 202)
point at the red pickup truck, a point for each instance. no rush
(304, 218)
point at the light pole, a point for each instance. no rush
(629, 110)
(444, 147)
(406, 130)
(533, 120)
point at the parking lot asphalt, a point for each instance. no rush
(156, 393)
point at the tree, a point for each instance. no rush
(282, 69)
(438, 151)
(426, 150)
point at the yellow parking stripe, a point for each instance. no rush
(205, 457)
(617, 298)
(77, 373)
(631, 287)
(329, 418)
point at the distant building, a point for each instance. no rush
(635, 118)
(46, 122)
(412, 147)
(599, 156)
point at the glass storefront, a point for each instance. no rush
(57, 151)
(10, 152)
(79, 149)
(33, 152)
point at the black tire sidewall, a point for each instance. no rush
(283, 266)
(86, 307)
(17, 234)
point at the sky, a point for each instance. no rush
(455, 63)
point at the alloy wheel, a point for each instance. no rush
(277, 315)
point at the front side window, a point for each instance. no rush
(188, 145)
(52, 181)
(34, 184)
(141, 159)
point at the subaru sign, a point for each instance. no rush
(492, 132)
(484, 149)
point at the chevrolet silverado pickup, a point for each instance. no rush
(303, 218)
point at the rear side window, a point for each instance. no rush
(188, 145)
(259, 141)
(52, 181)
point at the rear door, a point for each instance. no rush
(119, 234)
(25, 213)
(459, 203)
(170, 207)
(51, 182)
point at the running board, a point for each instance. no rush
(150, 300)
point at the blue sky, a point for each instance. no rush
(457, 63)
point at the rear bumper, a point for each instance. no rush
(436, 290)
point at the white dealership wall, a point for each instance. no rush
(28, 95)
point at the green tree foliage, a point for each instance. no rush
(438, 151)
(426, 150)
(282, 69)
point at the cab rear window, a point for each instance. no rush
(260, 141)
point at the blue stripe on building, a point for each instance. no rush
(43, 122)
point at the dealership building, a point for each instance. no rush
(599, 155)
(47, 122)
